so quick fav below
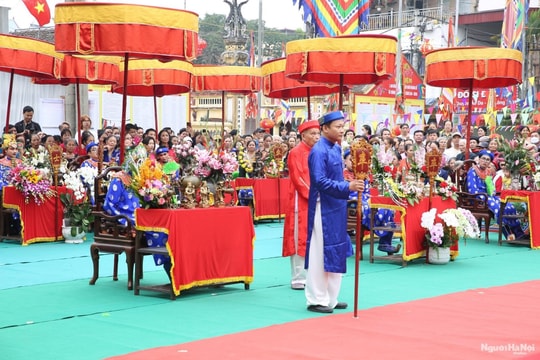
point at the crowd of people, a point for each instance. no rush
(318, 161)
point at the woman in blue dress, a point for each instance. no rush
(479, 180)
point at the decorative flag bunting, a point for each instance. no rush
(40, 10)
(513, 117)
(335, 17)
(524, 118)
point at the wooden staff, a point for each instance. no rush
(433, 163)
(361, 153)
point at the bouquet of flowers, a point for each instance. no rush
(38, 159)
(418, 166)
(151, 184)
(212, 166)
(381, 163)
(77, 206)
(445, 188)
(408, 193)
(517, 158)
(246, 165)
(185, 155)
(455, 223)
(32, 182)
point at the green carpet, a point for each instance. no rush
(50, 312)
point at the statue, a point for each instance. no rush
(204, 193)
(189, 197)
(235, 24)
(220, 194)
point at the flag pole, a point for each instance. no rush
(259, 58)
(399, 84)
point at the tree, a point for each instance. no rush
(211, 29)
(533, 29)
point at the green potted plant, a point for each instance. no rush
(77, 216)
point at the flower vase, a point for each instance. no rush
(380, 187)
(515, 183)
(72, 234)
(439, 256)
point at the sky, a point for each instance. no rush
(281, 14)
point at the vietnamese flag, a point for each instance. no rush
(40, 10)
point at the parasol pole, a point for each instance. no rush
(124, 106)
(279, 194)
(308, 104)
(155, 110)
(469, 122)
(9, 99)
(222, 119)
(358, 243)
(79, 122)
(340, 107)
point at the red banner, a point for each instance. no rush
(503, 97)
(413, 85)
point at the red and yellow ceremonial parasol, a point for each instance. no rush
(155, 78)
(235, 79)
(344, 60)
(277, 85)
(83, 70)
(473, 68)
(27, 57)
(129, 31)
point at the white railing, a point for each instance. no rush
(389, 20)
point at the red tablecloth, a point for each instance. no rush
(37, 221)
(532, 199)
(413, 234)
(269, 196)
(207, 246)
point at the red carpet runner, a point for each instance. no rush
(492, 323)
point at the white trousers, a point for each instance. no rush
(322, 288)
(298, 273)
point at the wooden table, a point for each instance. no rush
(37, 221)
(206, 246)
(269, 196)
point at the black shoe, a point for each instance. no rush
(320, 309)
(389, 249)
(341, 305)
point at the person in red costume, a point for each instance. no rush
(295, 227)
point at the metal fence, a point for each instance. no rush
(390, 20)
